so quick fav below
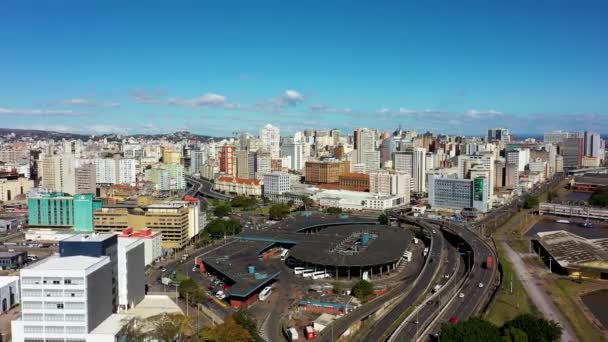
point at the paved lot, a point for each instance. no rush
(597, 302)
(598, 231)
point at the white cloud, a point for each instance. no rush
(38, 112)
(89, 103)
(476, 114)
(148, 96)
(383, 110)
(205, 100)
(292, 97)
(321, 108)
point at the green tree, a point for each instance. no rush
(170, 327)
(531, 202)
(537, 329)
(599, 198)
(474, 329)
(334, 210)
(191, 290)
(551, 195)
(229, 331)
(513, 334)
(133, 330)
(363, 289)
(338, 287)
(290, 203)
(307, 201)
(232, 227)
(278, 212)
(247, 321)
(244, 202)
(216, 228)
(222, 210)
(383, 219)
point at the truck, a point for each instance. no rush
(436, 288)
(489, 262)
(415, 241)
(426, 251)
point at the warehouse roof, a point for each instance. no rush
(571, 250)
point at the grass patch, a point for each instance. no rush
(508, 305)
(563, 291)
(262, 210)
(520, 246)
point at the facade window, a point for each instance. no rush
(59, 305)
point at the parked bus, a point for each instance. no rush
(266, 292)
(284, 254)
(320, 275)
(307, 273)
(298, 270)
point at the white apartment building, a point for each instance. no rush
(63, 299)
(271, 139)
(295, 150)
(131, 276)
(9, 292)
(386, 183)
(276, 183)
(419, 169)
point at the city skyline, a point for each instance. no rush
(459, 69)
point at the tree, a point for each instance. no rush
(599, 198)
(216, 228)
(290, 203)
(513, 334)
(552, 194)
(232, 227)
(334, 210)
(192, 291)
(474, 329)
(222, 210)
(383, 219)
(363, 289)
(531, 202)
(338, 287)
(278, 212)
(246, 320)
(133, 330)
(229, 331)
(244, 202)
(537, 329)
(170, 327)
(307, 201)
(429, 206)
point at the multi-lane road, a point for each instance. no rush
(204, 187)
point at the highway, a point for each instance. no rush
(414, 289)
(205, 188)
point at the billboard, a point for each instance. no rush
(478, 189)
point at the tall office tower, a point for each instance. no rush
(556, 137)
(133, 151)
(242, 164)
(57, 210)
(244, 140)
(593, 145)
(197, 159)
(105, 170)
(366, 142)
(403, 161)
(63, 299)
(131, 272)
(95, 245)
(430, 161)
(263, 164)
(511, 176)
(335, 135)
(126, 171)
(389, 183)
(327, 171)
(466, 162)
(295, 150)
(447, 191)
(227, 159)
(387, 147)
(372, 161)
(271, 139)
(50, 169)
(521, 157)
(499, 135)
(85, 179)
(159, 177)
(176, 176)
(499, 173)
(572, 150)
(419, 169)
(171, 156)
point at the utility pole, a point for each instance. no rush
(187, 305)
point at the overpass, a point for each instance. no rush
(204, 188)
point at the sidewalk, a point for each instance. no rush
(538, 296)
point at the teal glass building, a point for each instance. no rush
(57, 210)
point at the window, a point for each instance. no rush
(60, 306)
(67, 281)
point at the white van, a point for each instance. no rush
(307, 273)
(266, 292)
(293, 334)
(298, 270)
(284, 254)
(320, 275)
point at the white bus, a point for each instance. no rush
(298, 270)
(284, 254)
(266, 292)
(320, 275)
(307, 273)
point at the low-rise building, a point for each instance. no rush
(12, 260)
(239, 186)
(9, 292)
(153, 250)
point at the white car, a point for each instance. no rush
(220, 295)
(461, 295)
(480, 285)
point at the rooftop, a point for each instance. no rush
(93, 237)
(5, 280)
(245, 181)
(571, 250)
(7, 254)
(71, 263)
(593, 178)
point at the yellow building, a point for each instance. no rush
(169, 218)
(171, 156)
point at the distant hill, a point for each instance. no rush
(40, 134)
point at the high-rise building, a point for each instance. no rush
(85, 179)
(365, 148)
(419, 169)
(159, 177)
(594, 145)
(572, 150)
(447, 191)
(276, 183)
(466, 162)
(57, 210)
(327, 171)
(131, 272)
(197, 159)
(295, 150)
(263, 164)
(499, 134)
(556, 137)
(242, 164)
(387, 147)
(63, 298)
(227, 160)
(384, 182)
(12, 188)
(171, 156)
(271, 139)
(94, 245)
(176, 176)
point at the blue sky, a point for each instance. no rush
(217, 67)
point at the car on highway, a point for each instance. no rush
(480, 285)
(461, 295)
(454, 320)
